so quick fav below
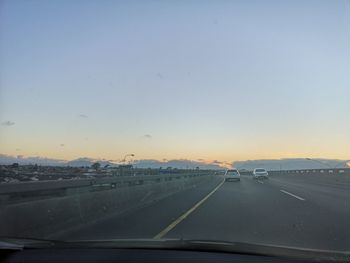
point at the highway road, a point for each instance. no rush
(282, 210)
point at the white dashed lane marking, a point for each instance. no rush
(295, 196)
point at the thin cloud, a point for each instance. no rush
(83, 116)
(147, 136)
(8, 123)
(62, 144)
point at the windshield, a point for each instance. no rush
(120, 120)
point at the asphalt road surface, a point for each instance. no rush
(280, 211)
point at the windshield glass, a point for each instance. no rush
(120, 120)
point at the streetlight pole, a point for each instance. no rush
(127, 155)
(123, 167)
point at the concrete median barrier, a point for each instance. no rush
(45, 217)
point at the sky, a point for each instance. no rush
(208, 80)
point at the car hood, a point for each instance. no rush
(180, 244)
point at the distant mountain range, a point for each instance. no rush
(8, 159)
(292, 164)
(88, 162)
(180, 164)
(275, 164)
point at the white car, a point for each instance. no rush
(260, 173)
(232, 175)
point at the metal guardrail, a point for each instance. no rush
(328, 171)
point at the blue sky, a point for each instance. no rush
(225, 80)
